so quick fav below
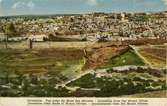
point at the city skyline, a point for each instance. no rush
(42, 7)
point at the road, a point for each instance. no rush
(63, 84)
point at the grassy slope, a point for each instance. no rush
(128, 58)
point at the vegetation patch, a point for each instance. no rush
(118, 84)
(128, 58)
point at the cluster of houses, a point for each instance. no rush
(111, 26)
(35, 38)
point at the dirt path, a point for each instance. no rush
(63, 84)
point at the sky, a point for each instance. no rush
(38, 7)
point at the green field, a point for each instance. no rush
(128, 58)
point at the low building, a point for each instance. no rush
(37, 38)
(16, 39)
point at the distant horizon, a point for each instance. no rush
(66, 14)
(47, 7)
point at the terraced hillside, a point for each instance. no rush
(63, 63)
(101, 71)
(156, 56)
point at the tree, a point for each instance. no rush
(9, 31)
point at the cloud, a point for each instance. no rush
(30, 4)
(1, 4)
(93, 2)
(0, 1)
(165, 2)
(21, 4)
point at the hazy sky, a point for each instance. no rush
(21, 7)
